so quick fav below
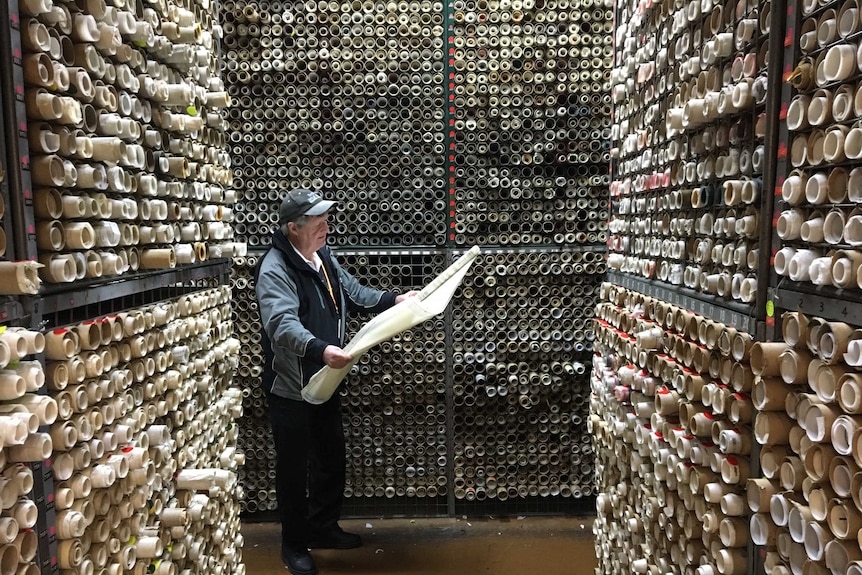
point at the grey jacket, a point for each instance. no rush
(299, 316)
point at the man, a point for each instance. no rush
(304, 297)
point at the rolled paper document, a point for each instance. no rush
(734, 470)
(37, 447)
(201, 251)
(89, 335)
(849, 393)
(772, 428)
(732, 561)
(13, 431)
(794, 326)
(107, 234)
(813, 342)
(818, 421)
(853, 355)
(758, 493)
(64, 435)
(853, 230)
(185, 254)
(43, 406)
(649, 339)
(840, 62)
(203, 478)
(765, 358)
(789, 224)
(218, 99)
(793, 365)
(819, 496)
(174, 517)
(782, 260)
(844, 430)
(58, 268)
(12, 385)
(799, 268)
(845, 268)
(70, 553)
(732, 504)
(763, 531)
(834, 337)
(841, 471)
(833, 226)
(836, 184)
(34, 340)
(741, 346)
(820, 271)
(768, 394)
(19, 278)
(826, 380)
(815, 537)
(12, 348)
(840, 554)
(855, 488)
(70, 524)
(816, 188)
(148, 547)
(431, 300)
(61, 344)
(158, 259)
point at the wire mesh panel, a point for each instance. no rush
(521, 340)
(531, 118)
(325, 91)
(395, 401)
(257, 476)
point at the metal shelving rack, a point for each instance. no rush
(11, 309)
(61, 304)
(21, 245)
(706, 305)
(831, 304)
(756, 318)
(89, 299)
(828, 302)
(782, 294)
(12, 79)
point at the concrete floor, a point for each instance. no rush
(505, 546)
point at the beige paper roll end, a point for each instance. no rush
(18, 278)
(765, 358)
(162, 258)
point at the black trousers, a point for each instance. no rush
(310, 466)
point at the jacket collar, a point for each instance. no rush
(282, 244)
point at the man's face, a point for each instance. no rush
(312, 235)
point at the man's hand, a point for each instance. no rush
(404, 296)
(335, 357)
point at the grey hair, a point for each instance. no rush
(300, 221)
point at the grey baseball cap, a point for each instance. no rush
(301, 202)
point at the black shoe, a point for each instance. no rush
(298, 561)
(335, 538)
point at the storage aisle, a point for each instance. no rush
(514, 546)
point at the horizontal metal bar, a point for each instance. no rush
(60, 297)
(388, 252)
(826, 302)
(727, 312)
(601, 248)
(11, 311)
(421, 251)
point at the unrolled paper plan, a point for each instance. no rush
(431, 301)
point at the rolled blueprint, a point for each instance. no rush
(431, 301)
